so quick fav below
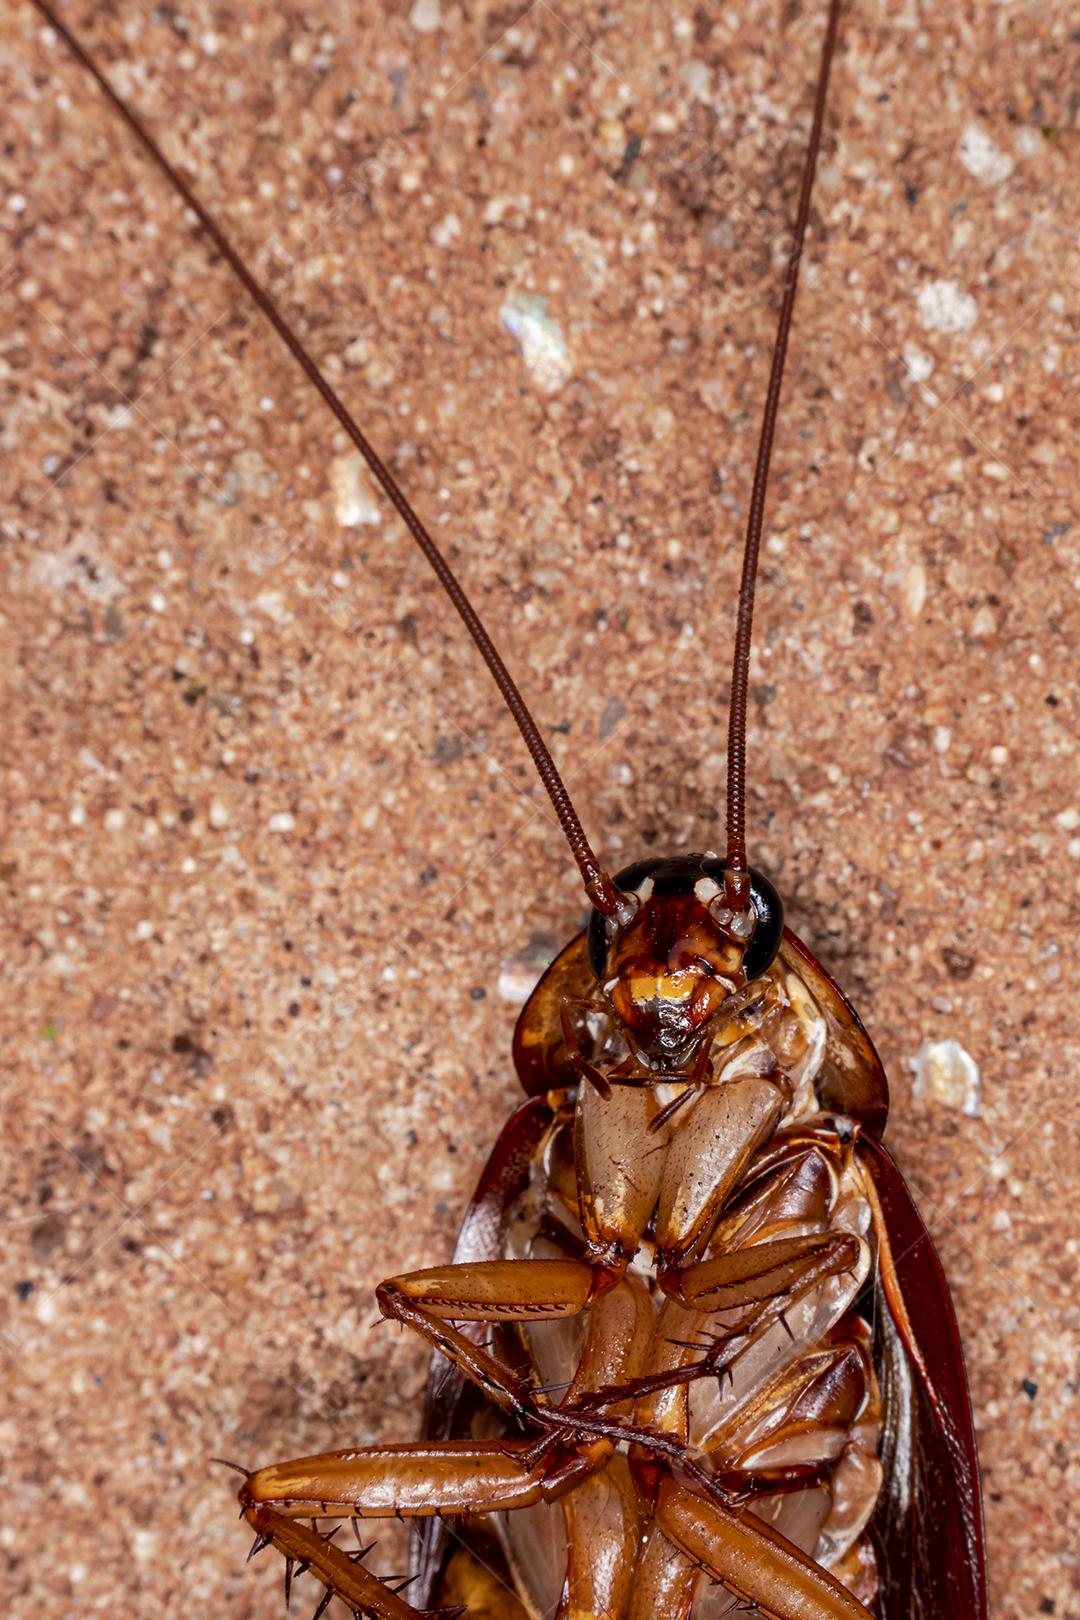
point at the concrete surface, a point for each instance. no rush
(274, 866)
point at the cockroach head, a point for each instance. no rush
(675, 951)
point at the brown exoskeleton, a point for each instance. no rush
(694, 1351)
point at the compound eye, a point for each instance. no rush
(761, 927)
(602, 929)
(765, 940)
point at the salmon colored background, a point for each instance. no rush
(273, 861)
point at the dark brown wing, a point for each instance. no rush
(447, 1408)
(928, 1525)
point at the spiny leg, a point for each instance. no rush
(490, 1291)
(764, 1279)
(516, 1291)
(406, 1481)
(751, 1559)
(620, 1320)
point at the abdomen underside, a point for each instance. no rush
(735, 1331)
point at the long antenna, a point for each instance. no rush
(738, 883)
(598, 886)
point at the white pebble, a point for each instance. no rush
(426, 16)
(913, 590)
(539, 339)
(158, 602)
(447, 231)
(919, 366)
(144, 1544)
(697, 77)
(944, 306)
(281, 822)
(77, 815)
(354, 503)
(1068, 819)
(218, 815)
(517, 982)
(114, 820)
(980, 157)
(144, 929)
(947, 1074)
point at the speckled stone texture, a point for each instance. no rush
(274, 865)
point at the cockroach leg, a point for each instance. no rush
(780, 1268)
(520, 1292)
(603, 1532)
(576, 1058)
(414, 1481)
(417, 1479)
(751, 1560)
(431, 1301)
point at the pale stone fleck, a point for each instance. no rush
(273, 604)
(354, 503)
(697, 78)
(144, 1545)
(281, 822)
(946, 1073)
(913, 590)
(944, 306)
(426, 16)
(447, 231)
(516, 982)
(539, 339)
(982, 157)
(919, 366)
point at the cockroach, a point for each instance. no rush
(695, 1352)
